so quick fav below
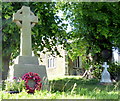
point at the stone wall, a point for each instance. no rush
(59, 63)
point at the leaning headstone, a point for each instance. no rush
(25, 63)
(105, 78)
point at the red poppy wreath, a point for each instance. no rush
(32, 76)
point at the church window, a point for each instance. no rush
(51, 62)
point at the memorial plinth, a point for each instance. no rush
(25, 63)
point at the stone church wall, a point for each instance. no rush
(58, 68)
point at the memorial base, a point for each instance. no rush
(18, 70)
(106, 83)
(26, 60)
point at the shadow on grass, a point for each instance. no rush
(83, 87)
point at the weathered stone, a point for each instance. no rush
(25, 19)
(27, 60)
(25, 63)
(18, 70)
(105, 74)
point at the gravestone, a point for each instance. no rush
(105, 78)
(25, 62)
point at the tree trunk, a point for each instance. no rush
(5, 61)
(87, 74)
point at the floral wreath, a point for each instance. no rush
(32, 76)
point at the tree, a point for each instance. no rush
(96, 28)
(47, 29)
(95, 31)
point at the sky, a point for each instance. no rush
(60, 14)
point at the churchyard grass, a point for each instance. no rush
(70, 88)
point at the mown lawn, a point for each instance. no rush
(71, 88)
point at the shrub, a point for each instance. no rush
(14, 84)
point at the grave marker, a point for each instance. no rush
(25, 63)
(105, 78)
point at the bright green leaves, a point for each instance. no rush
(96, 25)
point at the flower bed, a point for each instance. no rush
(14, 85)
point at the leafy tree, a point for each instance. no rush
(96, 28)
(95, 31)
(47, 29)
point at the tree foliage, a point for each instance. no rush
(96, 27)
(95, 31)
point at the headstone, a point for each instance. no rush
(25, 63)
(105, 78)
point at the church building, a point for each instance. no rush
(60, 66)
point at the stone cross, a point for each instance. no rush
(105, 74)
(105, 65)
(25, 19)
(25, 62)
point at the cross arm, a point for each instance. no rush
(34, 19)
(17, 17)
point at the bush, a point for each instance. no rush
(114, 71)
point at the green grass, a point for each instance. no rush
(71, 88)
